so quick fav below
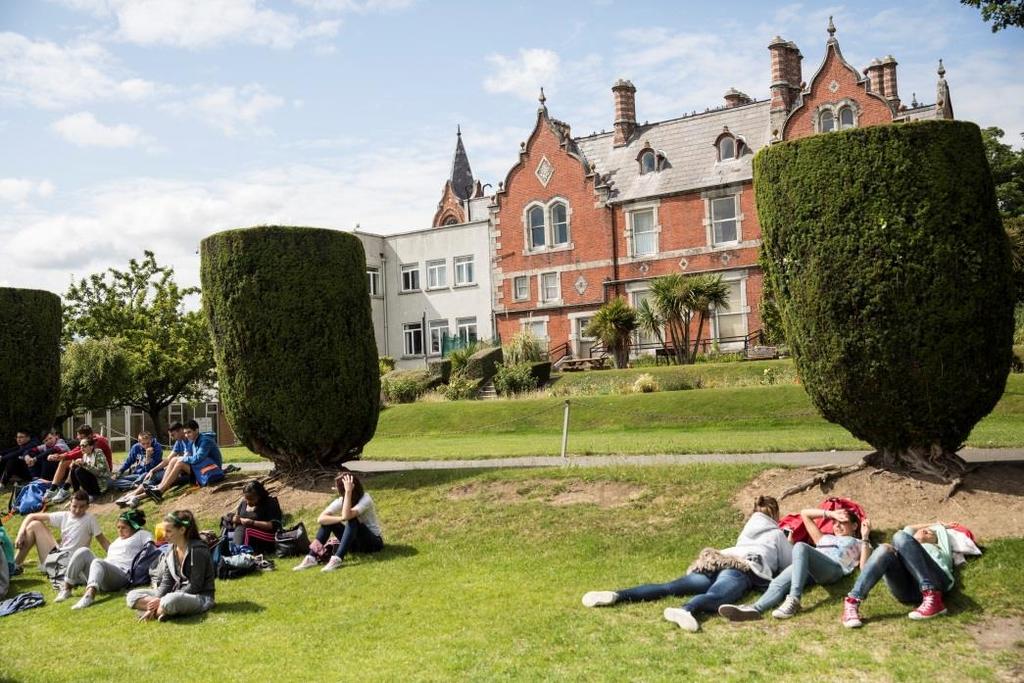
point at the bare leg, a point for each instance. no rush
(173, 472)
(62, 472)
(38, 535)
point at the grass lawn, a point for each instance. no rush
(728, 420)
(482, 579)
(674, 377)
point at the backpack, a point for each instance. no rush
(794, 527)
(234, 566)
(8, 547)
(142, 564)
(29, 498)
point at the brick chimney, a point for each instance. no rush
(876, 83)
(795, 70)
(889, 81)
(786, 80)
(624, 93)
(734, 98)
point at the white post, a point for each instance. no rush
(565, 431)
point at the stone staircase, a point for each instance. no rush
(487, 392)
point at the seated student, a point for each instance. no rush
(43, 460)
(77, 529)
(761, 551)
(90, 473)
(60, 486)
(917, 567)
(835, 556)
(202, 464)
(144, 455)
(186, 585)
(257, 519)
(113, 573)
(180, 448)
(352, 518)
(14, 461)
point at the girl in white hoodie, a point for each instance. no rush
(717, 577)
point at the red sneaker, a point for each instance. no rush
(851, 613)
(931, 606)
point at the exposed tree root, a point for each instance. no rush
(826, 476)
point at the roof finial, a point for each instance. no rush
(458, 130)
(831, 28)
(542, 99)
(942, 69)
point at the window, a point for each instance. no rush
(536, 218)
(374, 276)
(521, 288)
(723, 220)
(411, 277)
(827, 122)
(537, 328)
(559, 224)
(645, 236)
(845, 118)
(731, 323)
(464, 274)
(437, 329)
(413, 334)
(549, 289)
(437, 274)
(726, 149)
(648, 162)
(466, 329)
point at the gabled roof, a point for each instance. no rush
(688, 143)
(462, 175)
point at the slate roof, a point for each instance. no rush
(462, 175)
(691, 159)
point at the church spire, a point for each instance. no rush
(462, 175)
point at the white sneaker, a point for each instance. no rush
(332, 564)
(61, 496)
(683, 617)
(63, 594)
(49, 494)
(599, 598)
(788, 608)
(83, 602)
(739, 612)
(307, 562)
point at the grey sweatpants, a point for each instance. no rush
(174, 604)
(85, 569)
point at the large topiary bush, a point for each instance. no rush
(30, 327)
(892, 272)
(289, 312)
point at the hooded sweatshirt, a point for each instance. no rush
(763, 546)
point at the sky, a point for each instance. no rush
(128, 125)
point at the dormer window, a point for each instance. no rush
(835, 116)
(648, 162)
(726, 149)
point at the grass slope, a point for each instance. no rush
(482, 579)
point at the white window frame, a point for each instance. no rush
(653, 232)
(639, 208)
(551, 221)
(542, 290)
(839, 118)
(547, 210)
(735, 308)
(530, 245)
(653, 156)
(373, 280)
(715, 221)
(465, 270)
(464, 325)
(413, 271)
(441, 327)
(409, 331)
(735, 148)
(525, 280)
(529, 323)
(433, 268)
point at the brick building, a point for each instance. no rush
(580, 220)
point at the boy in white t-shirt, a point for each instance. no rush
(77, 529)
(352, 518)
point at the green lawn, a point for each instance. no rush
(674, 377)
(728, 420)
(482, 579)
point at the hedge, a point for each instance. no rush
(289, 311)
(886, 252)
(30, 328)
(405, 386)
(541, 370)
(441, 369)
(484, 363)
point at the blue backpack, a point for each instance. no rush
(30, 498)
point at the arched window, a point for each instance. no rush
(845, 118)
(726, 149)
(827, 121)
(648, 162)
(451, 220)
(559, 224)
(536, 220)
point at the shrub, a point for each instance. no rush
(461, 388)
(460, 357)
(30, 327)
(514, 379)
(289, 311)
(405, 386)
(645, 384)
(523, 348)
(484, 363)
(385, 364)
(541, 370)
(440, 369)
(892, 275)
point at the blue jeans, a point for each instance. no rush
(709, 590)
(809, 565)
(353, 536)
(907, 570)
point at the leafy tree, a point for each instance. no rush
(141, 311)
(1002, 13)
(1007, 167)
(614, 324)
(93, 375)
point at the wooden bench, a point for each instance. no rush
(762, 353)
(575, 364)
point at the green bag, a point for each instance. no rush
(8, 546)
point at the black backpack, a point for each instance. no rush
(142, 563)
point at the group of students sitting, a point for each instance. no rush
(917, 568)
(184, 575)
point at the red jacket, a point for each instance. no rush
(101, 443)
(794, 524)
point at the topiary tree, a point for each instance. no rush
(289, 312)
(892, 275)
(30, 327)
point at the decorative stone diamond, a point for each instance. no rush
(683, 264)
(544, 171)
(581, 285)
(726, 257)
(644, 267)
(833, 86)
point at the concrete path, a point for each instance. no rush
(803, 459)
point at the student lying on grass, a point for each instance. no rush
(352, 518)
(187, 581)
(917, 567)
(112, 573)
(835, 556)
(717, 577)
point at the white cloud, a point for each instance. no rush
(51, 76)
(21, 190)
(231, 109)
(357, 6)
(84, 130)
(524, 74)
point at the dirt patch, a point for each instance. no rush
(991, 502)
(604, 494)
(999, 633)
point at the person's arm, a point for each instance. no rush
(166, 584)
(808, 515)
(865, 546)
(128, 462)
(102, 540)
(200, 566)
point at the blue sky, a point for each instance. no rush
(148, 124)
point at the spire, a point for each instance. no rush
(831, 29)
(942, 69)
(462, 175)
(543, 107)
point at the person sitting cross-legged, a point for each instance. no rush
(352, 518)
(113, 573)
(256, 520)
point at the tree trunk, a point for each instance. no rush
(159, 428)
(696, 342)
(933, 461)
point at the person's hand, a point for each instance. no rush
(865, 528)
(147, 476)
(19, 541)
(54, 457)
(30, 461)
(75, 463)
(348, 481)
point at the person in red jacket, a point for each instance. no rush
(60, 487)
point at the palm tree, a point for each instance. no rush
(648, 320)
(706, 292)
(671, 296)
(614, 324)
